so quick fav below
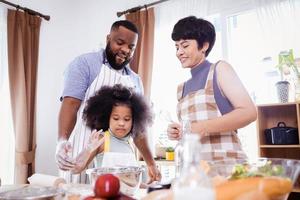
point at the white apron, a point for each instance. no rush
(79, 136)
(118, 153)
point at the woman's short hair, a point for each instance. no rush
(99, 107)
(195, 28)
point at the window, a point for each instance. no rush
(7, 145)
(254, 55)
(274, 27)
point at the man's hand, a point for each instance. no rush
(62, 158)
(66, 123)
(153, 173)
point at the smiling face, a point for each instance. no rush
(189, 54)
(120, 46)
(120, 121)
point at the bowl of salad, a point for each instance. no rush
(263, 172)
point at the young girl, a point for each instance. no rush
(116, 114)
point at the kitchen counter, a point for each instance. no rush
(73, 191)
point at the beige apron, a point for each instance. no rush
(79, 136)
(201, 105)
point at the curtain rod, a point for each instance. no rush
(137, 8)
(29, 11)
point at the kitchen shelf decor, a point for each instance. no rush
(269, 116)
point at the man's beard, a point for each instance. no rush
(111, 58)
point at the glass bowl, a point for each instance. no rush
(285, 168)
(130, 177)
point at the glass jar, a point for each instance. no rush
(185, 124)
(297, 90)
(178, 157)
(192, 183)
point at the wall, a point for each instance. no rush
(75, 27)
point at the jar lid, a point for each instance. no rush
(152, 188)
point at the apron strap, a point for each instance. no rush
(106, 141)
(209, 79)
(210, 76)
(180, 91)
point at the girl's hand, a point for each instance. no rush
(153, 173)
(85, 156)
(96, 139)
(174, 131)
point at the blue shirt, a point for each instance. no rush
(82, 71)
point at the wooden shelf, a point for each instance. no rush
(268, 116)
(296, 190)
(280, 146)
(277, 104)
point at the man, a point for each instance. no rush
(87, 74)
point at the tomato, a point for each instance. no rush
(107, 186)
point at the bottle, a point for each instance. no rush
(178, 158)
(179, 148)
(193, 183)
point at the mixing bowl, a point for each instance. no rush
(32, 192)
(130, 177)
(286, 168)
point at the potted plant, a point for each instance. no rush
(286, 63)
(169, 153)
(288, 72)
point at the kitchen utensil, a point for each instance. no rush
(282, 134)
(33, 193)
(130, 177)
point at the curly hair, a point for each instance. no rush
(99, 107)
(195, 28)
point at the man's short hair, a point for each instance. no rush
(125, 23)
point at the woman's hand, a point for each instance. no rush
(153, 173)
(199, 127)
(174, 131)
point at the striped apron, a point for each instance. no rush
(79, 136)
(201, 105)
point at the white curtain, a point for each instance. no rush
(274, 26)
(279, 23)
(166, 65)
(7, 156)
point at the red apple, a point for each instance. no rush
(107, 186)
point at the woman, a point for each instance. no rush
(214, 100)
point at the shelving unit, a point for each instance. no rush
(268, 116)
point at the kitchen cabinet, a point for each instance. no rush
(268, 116)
